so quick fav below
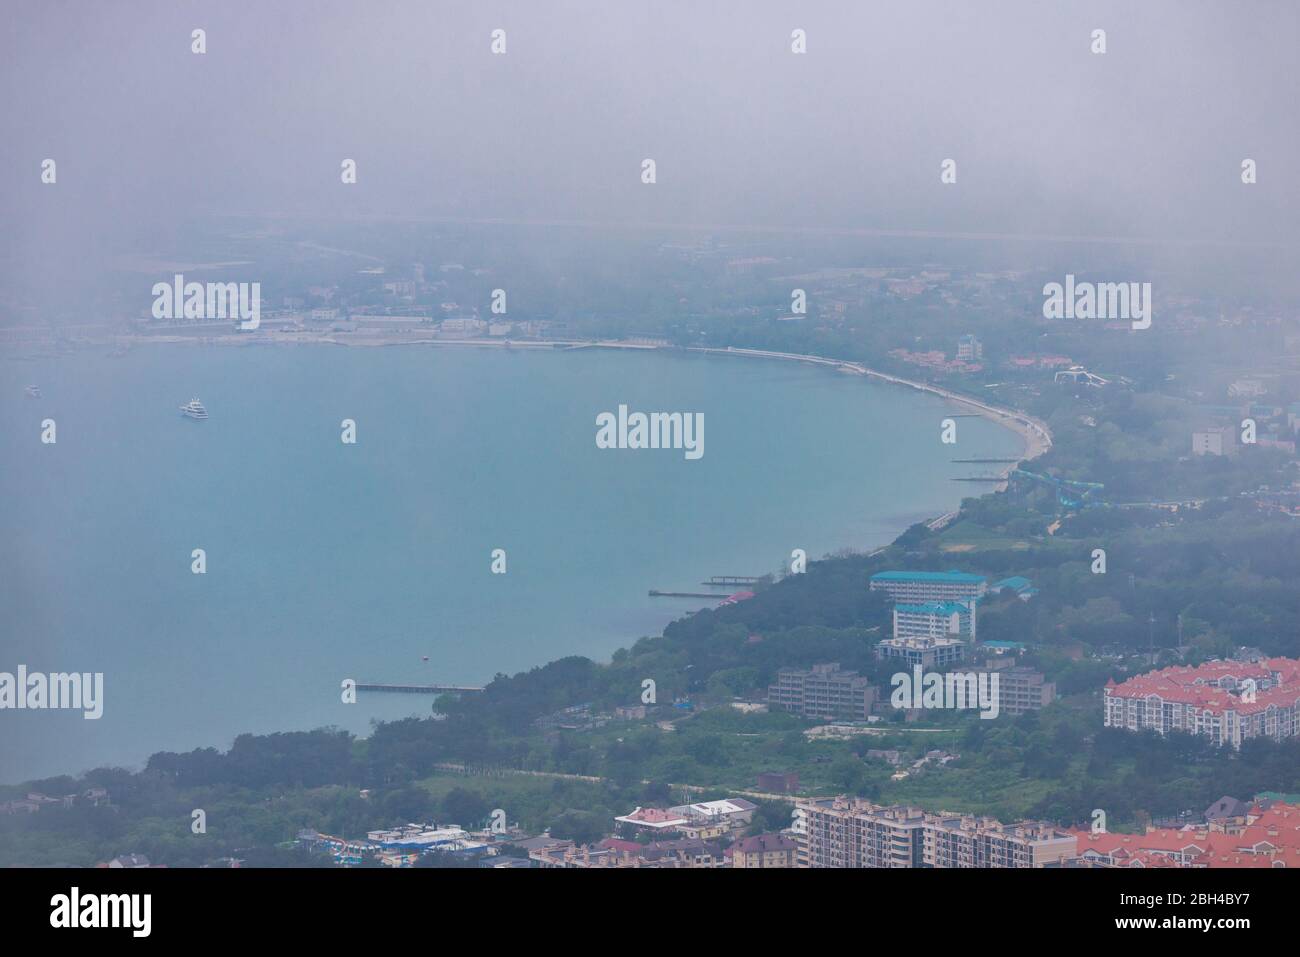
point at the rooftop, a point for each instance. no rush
(935, 608)
(954, 577)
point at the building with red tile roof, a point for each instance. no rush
(1269, 838)
(1225, 701)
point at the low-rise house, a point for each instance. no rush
(778, 782)
(763, 850)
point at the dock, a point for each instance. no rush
(655, 593)
(985, 461)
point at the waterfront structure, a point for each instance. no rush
(935, 619)
(849, 832)
(824, 692)
(1226, 702)
(462, 326)
(907, 586)
(923, 652)
(969, 349)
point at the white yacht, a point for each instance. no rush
(194, 410)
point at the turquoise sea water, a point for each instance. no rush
(328, 561)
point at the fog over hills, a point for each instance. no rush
(1050, 139)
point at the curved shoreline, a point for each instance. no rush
(1036, 436)
(1033, 431)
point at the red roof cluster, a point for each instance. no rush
(1271, 838)
(1199, 685)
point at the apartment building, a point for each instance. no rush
(1227, 702)
(763, 850)
(969, 349)
(823, 691)
(849, 832)
(1023, 689)
(907, 586)
(1266, 835)
(935, 619)
(1213, 441)
(924, 652)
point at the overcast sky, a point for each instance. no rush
(1049, 138)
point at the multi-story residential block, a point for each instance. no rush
(1023, 689)
(929, 586)
(935, 619)
(1268, 835)
(969, 349)
(848, 832)
(925, 652)
(1218, 440)
(1225, 701)
(824, 691)
(763, 850)
(611, 852)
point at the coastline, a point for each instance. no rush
(1035, 434)
(1005, 417)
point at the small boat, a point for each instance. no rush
(34, 391)
(194, 410)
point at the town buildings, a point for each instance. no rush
(1226, 702)
(763, 850)
(935, 619)
(1218, 440)
(612, 852)
(824, 691)
(1023, 689)
(925, 652)
(1263, 834)
(969, 349)
(702, 821)
(904, 586)
(778, 782)
(849, 832)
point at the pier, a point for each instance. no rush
(655, 593)
(420, 689)
(985, 461)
